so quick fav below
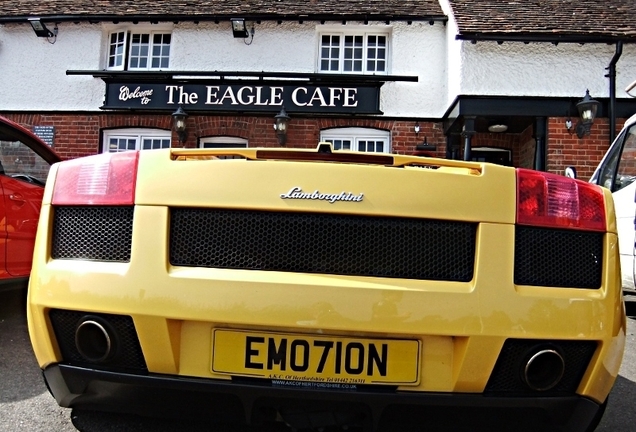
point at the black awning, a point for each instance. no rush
(231, 76)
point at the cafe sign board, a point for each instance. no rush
(252, 97)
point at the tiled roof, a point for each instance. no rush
(201, 9)
(545, 19)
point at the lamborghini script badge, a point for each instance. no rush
(297, 193)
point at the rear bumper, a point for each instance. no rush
(250, 402)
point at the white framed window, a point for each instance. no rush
(355, 52)
(118, 140)
(223, 142)
(358, 139)
(138, 50)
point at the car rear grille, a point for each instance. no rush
(128, 355)
(558, 258)
(92, 233)
(507, 374)
(323, 243)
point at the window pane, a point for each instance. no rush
(330, 53)
(376, 53)
(139, 51)
(116, 49)
(155, 143)
(353, 54)
(365, 145)
(160, 50)
(626, 172)
(340, 144)
(113, 145)
(19, 160)
(119, 144)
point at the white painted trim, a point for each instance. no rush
(135, 133)
(357, 30)
(223, 140)
(356, 134)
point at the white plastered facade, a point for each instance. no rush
(33, 70)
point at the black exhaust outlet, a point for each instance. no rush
(95, 339)
(543, 369)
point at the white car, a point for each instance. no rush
(617, 172)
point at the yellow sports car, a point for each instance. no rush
(320, 288)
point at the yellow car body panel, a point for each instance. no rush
(459, 326)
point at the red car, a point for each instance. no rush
(24, 165)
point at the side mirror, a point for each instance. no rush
(570, 172)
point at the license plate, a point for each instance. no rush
(315, 358)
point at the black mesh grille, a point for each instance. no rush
(92, 233)
(128, 353)
(558, 258)
(323, 243)
(507, 374)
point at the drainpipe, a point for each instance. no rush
(540, 132)
(468, 132)
(612, 90)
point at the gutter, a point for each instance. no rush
(551, 38)
(93, 19)
(612, 91)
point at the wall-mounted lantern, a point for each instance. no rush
(179, 124)
(587, 108)
(239, 28)
(280, 126)
(40, 29)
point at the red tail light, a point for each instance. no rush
(105, 179)
(551, 200)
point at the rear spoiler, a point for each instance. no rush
(324, 152)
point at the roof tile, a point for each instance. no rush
(609, 18)
(220, 8)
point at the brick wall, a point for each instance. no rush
(79, 135)
(566, 149)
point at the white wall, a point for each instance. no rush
(534, 69)
(33, 71)
(543, 69)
